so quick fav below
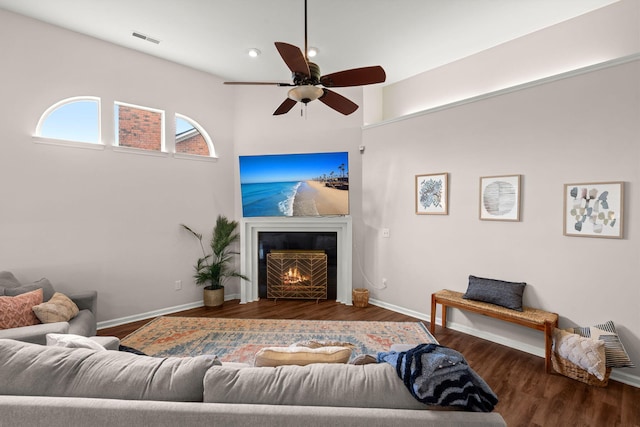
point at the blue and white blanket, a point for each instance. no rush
(437, 375)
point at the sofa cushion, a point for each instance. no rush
(83, 324)
(58, 309)
(35, 370)
(499, 292)
(7, 280)
(16, 311)
(44, 284)
(277, 356)
(370, 386)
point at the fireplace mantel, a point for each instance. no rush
(249, 249)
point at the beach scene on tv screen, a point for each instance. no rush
(315, 184)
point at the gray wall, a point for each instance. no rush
(579, 129)
(105, 220)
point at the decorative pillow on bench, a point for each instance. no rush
(499, 292)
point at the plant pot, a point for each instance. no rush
(213, 297)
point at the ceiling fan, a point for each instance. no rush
(306, 78)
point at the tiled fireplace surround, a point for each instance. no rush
(341, 225)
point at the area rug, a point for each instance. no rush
(238, 340)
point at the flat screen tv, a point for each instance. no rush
(315, 184)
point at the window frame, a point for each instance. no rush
(116, 122)
(39, 138)
(205, 135)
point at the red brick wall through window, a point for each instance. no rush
(193, 145)
(142, 129)
(139, 128)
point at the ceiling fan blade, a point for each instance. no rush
(293, 57)
(259, 83)
(338, 102)
(355, 77)
(284, 108)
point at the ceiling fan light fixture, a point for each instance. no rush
(305, 93)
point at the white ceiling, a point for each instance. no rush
(406, 37)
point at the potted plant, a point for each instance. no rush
(213, 269)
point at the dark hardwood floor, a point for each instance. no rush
(528, 396)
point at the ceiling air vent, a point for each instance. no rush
(144, 37)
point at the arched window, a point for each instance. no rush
(72, 119)
(191, 138)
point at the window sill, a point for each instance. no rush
(139, 151)
(196, 157)
(67, 143)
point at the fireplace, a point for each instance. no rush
(278, 244)
(339, 256)
(297, 274)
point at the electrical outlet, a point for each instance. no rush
(385, 233)
(177, 285)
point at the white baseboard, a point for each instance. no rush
(148, 315)
(616, 374)
(401, 310)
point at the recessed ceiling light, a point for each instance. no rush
(312, 51)
(253, 52)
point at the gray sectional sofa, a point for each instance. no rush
(56, 386)
(84, 323)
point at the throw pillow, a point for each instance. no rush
(16, 311)
(499, 292)
(7, 280)
(44, 284)
(616, 355)
(318, 344)
(278, 356)
(59, 309)
(587, 353)
(73, 341)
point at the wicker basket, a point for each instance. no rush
(571, 370)
(360, 297)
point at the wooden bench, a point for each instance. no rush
(530, 317)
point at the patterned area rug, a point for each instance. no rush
(238, 340)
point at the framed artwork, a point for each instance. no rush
(432, 194)
(500, 198)
(594, 209)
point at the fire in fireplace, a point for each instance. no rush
(297, 274)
